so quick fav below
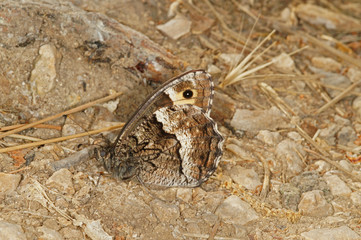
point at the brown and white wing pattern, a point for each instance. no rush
(171, 140)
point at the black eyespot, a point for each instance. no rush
(188, 94)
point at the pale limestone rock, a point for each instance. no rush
(235, 211)
(337, 186)
(9, 182)
(314, 204)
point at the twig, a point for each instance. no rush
(7, 128)
(19, 170)
(53, 140)
(73, 110)
(338, 97)
(45, 198)
(19, 136)
(314, 87)
(356, 177)
(266, 179)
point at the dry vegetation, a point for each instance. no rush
(288, 100)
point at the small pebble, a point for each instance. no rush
(314, 204)
(340, 233)
(337, 186)
(235, 211)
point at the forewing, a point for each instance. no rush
(172, 93)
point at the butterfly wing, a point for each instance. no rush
(197, 84)
(171, 140)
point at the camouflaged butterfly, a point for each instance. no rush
(171, 140)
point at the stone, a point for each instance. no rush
(346, 136)
(239, 151)
(288, 155)
(49, 234)
(82, 196)
(322, 166)
(356, 198)
(176, 28)
(245, 177)
(295, 136)
(291, 196)
(328, 133)
(256, 120)
(235, 211)
(43, 75)
(231, 59)
(336, 80)
(10, 231)
(354, 74)
(284, 63)
(327, 64)
(71, 233)
(340, 233)
(62, 181)
(342, 121)
(346, 164)
(185, 194)
(268, 137)
(337, 186)
(314, 204)
(52, 224)
(310, 180)
(9, 182)
(165, 212)
(94, 230)
(356, 105)
(289, 17)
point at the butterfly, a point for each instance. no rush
(171, 140)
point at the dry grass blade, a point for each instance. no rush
(238, 73)
(53, 140)
(73, 110)
(7, 128)
(266, 179)
(335, 164)
(18, 136)
(44, 200)
(273, 96)
(338, 97)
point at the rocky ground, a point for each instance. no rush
(291, 166)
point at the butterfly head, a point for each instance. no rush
(120, 169)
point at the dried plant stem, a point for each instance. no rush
(266, 179)
(73, 110)
(7, 128)
(335, 164)
(314, 87)
(338, 97)
(25, 137)
(53, 140)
